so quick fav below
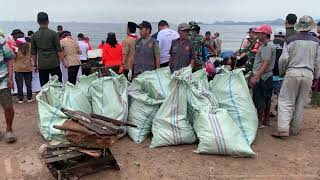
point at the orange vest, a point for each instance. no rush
(111, 56)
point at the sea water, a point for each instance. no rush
(231, 35)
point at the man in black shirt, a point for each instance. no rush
(277, 80)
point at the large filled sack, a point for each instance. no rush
(171, 125)
(142, 110)
(109, 96)
(232, 92)
(75, 99)
(219, 134)
(156, 82)
(49, 104)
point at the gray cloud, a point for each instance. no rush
(171, 10)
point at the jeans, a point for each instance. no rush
(44, 75)
(73, 73)
(27, 77)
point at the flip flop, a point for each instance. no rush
(10, 137)
(277, 134)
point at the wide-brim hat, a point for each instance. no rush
(184, 27)
(305, 23)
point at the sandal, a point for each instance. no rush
(10, 137)
(277, 134)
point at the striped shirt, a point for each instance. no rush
(5, 55)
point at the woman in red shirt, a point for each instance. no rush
(112, 52)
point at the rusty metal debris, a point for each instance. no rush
(68, 162)
(90, 137)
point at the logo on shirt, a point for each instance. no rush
(150, 45)
(187, 48)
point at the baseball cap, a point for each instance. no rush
(16, 31)
(145, 24)
(280, 32)
(264, 29)
(183, 27)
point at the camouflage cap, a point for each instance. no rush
(305, 23)
(183, 27)
(193, 23)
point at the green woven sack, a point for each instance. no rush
(232, 92)
(171, 125)
(142, 110)
(49, 104)
(219, 134)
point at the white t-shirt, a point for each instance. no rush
(84, 47)
(165, 38)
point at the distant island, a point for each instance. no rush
(279, 22)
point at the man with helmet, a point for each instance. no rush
(261, 80)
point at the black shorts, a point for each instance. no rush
(262, 93)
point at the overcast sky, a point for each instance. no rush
(152, 10)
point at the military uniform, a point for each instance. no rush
(251, 53)
(181, 54)
(198, 44)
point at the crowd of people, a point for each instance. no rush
(286, 66)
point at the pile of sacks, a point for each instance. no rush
(106, 96)
(184, 108)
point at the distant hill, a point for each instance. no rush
(271, 22)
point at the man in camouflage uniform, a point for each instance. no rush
(198, 42)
